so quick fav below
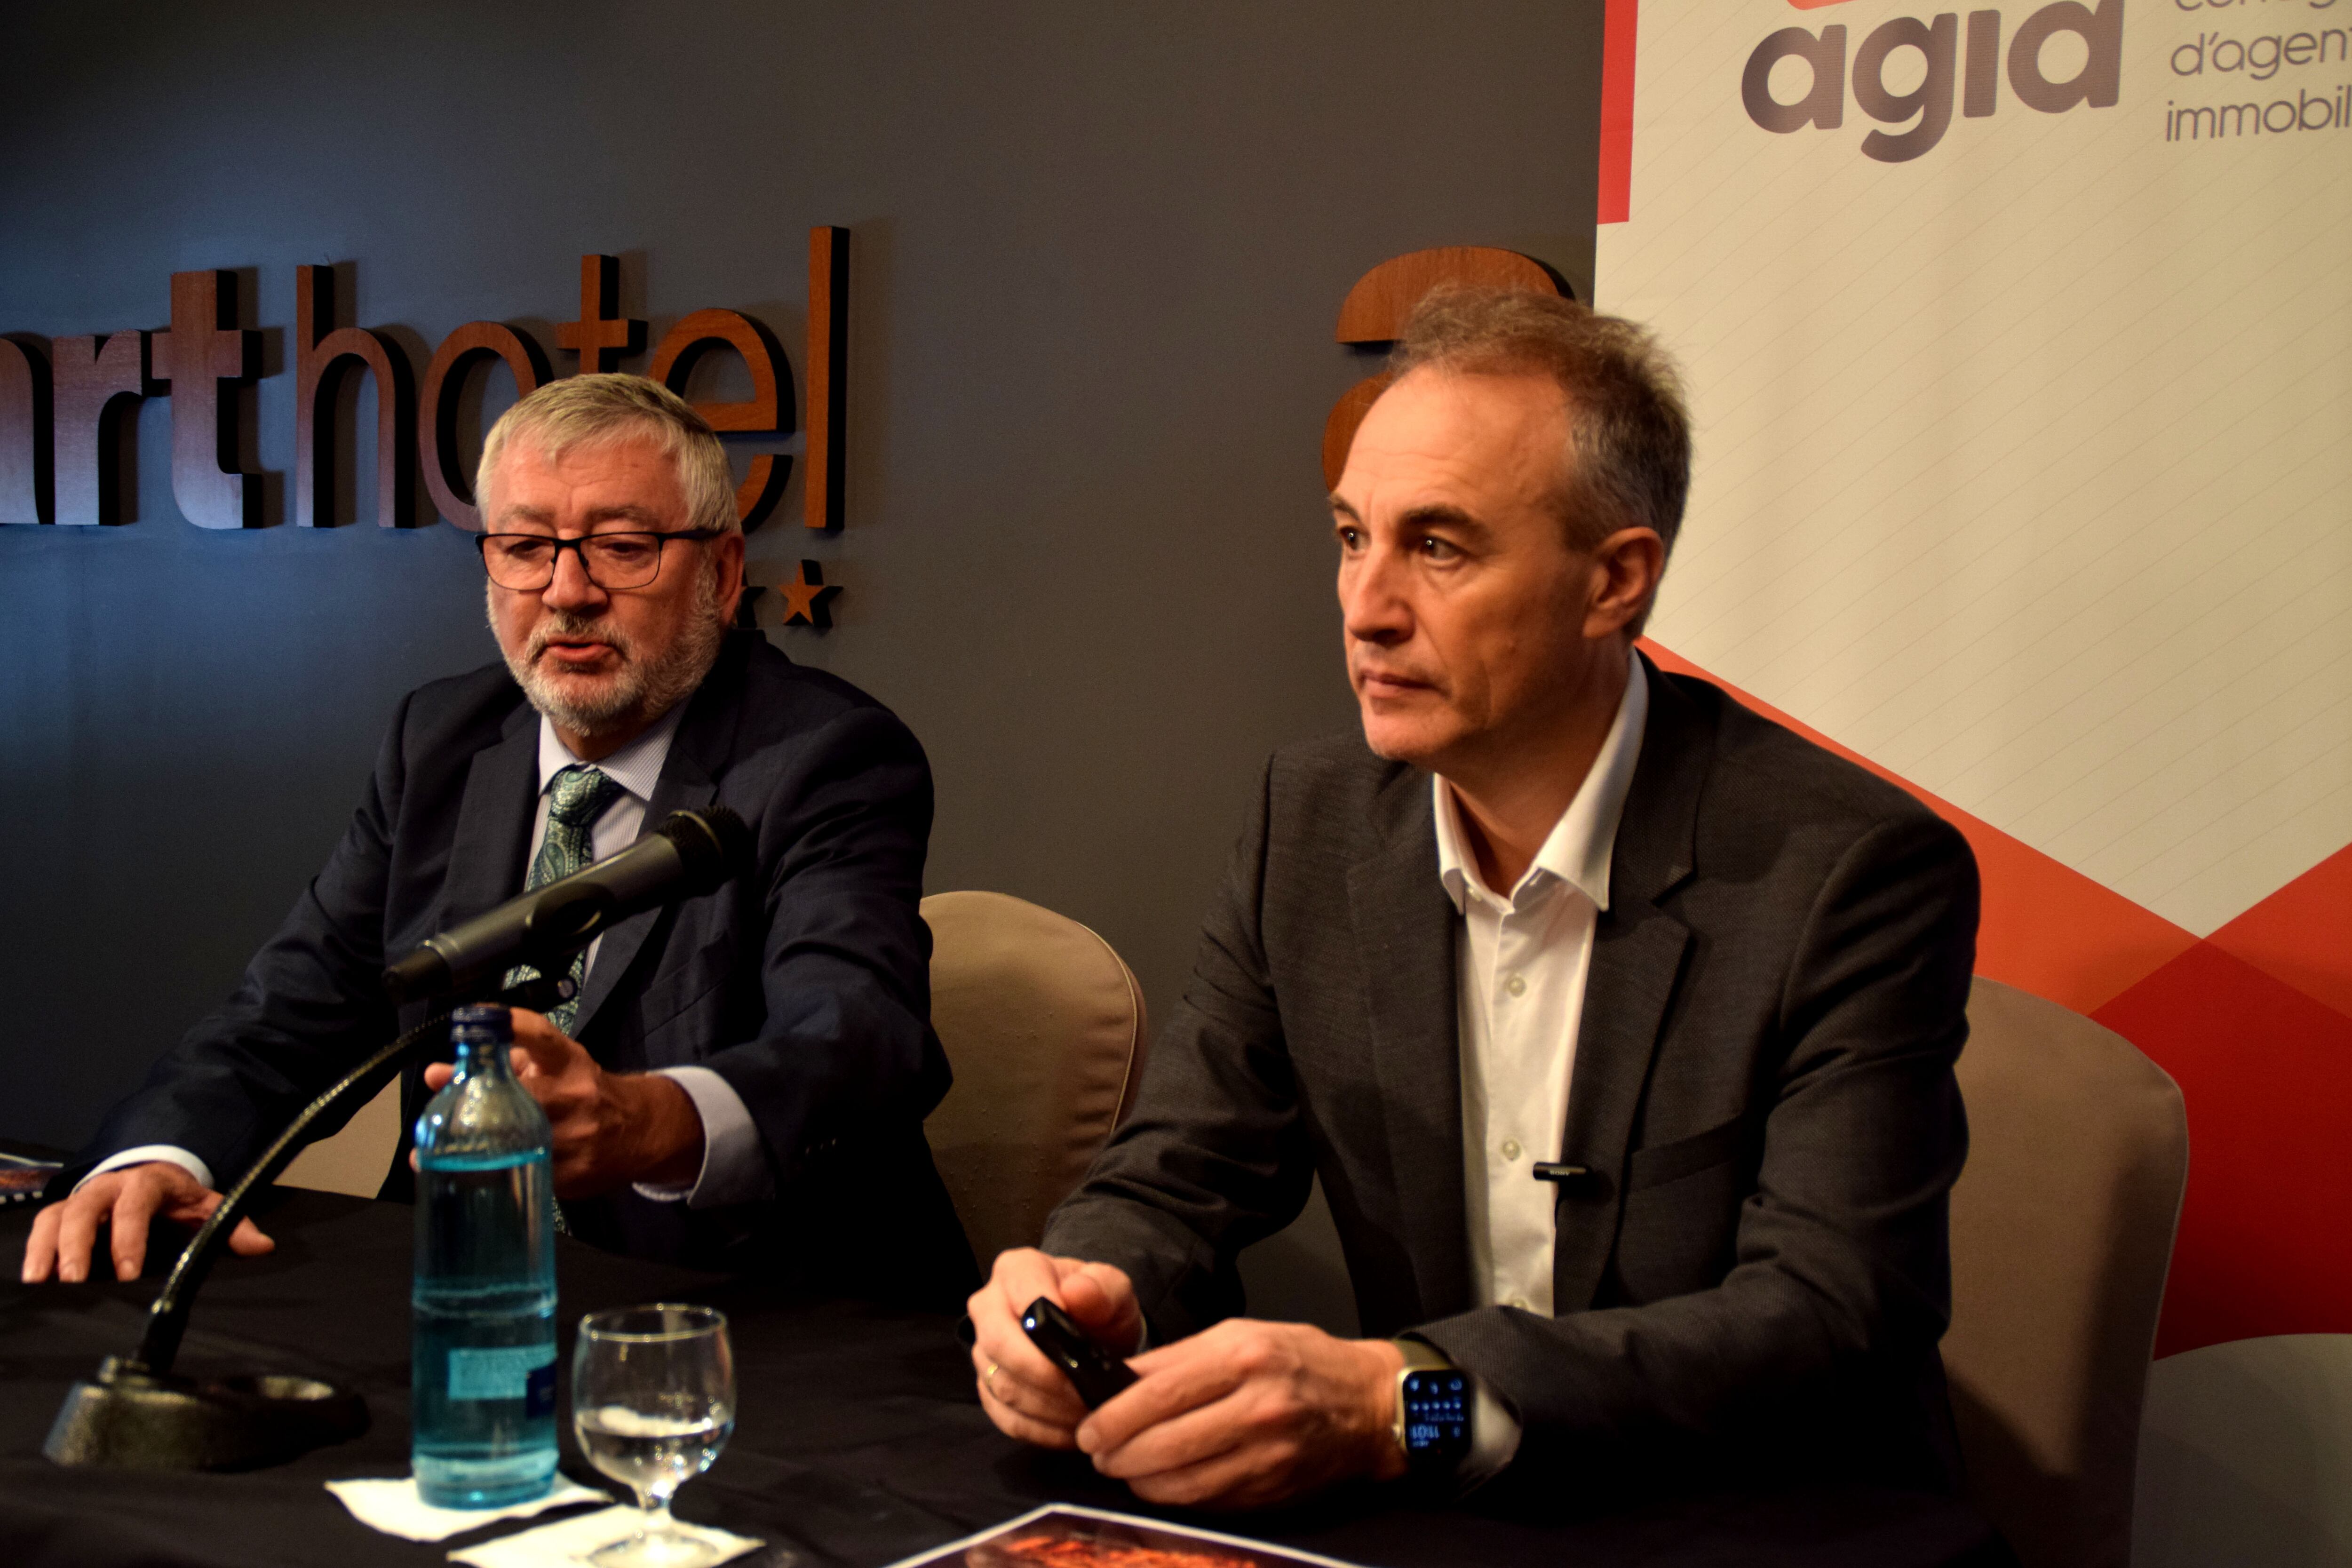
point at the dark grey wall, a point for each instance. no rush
(1098, 252)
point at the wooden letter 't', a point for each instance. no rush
(204, 348)
(602, 335)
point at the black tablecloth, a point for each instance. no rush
(858, 1441)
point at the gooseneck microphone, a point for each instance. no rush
(135, 1411)
(693, 852)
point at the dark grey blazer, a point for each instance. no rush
(805, 985)
(1755, 1272)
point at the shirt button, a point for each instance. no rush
(1520, 1302)
(1510, 1148)
(1517, 985)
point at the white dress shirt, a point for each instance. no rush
(732, 1170)
(1520, 962)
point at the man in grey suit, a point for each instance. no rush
(1618, 1022)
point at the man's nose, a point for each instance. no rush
(571, 587)
(1372, 606)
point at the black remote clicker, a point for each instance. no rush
(1093, 1371)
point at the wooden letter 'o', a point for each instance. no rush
(436, 426)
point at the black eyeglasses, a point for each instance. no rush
(526, 561)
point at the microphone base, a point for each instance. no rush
(127, 1417)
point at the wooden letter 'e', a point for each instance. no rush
(204, 348)
(318, 355)
(763, 410)
(436, 423)
(828, 376)
(1375, 312)
(23, 434)
(95, 379)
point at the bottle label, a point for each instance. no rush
(504, 1372)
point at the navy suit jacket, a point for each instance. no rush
(804, 983)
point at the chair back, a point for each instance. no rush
(2062, 1231)
(1045, 1027)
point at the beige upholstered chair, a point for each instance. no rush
(1045, 1027)
(2062, 1231)
(357, 1159)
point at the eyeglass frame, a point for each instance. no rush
(578, 544)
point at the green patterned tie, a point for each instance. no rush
(579, 798)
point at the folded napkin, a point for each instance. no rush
(568, 1541)
(394, 1507)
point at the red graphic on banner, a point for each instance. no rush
(1617, 110)
(2255, 1025)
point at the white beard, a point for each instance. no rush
(638, 693)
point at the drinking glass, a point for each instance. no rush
(653, 1401)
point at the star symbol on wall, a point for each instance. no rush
(806, 597)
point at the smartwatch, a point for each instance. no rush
(1434, 1403)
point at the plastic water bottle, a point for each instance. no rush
(483, 1361)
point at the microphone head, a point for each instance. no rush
(423, 973)
(713, 845)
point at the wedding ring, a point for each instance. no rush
(990, 1375)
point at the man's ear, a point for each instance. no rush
(1626, 567)
(731, 575)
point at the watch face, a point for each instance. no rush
(1436, 1415)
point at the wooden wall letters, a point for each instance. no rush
(763, 410)
(437, 432)
(23, 415)
(204, 348)
(600, 337)
(94, 381)
(1375, 310)
(61, 418)
(828, 375)
(319, 355)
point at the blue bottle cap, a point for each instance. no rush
(482, 1015)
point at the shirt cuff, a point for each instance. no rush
(1494, 1433)
(733, 1169)
(171, 1154)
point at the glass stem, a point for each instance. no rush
(658, 1520)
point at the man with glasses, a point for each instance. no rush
(741, 1079)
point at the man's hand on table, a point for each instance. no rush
(1241, 1415)
(1026, 1394)
(126, 1200)
(610, 1129)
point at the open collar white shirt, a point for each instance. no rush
(1521, 961)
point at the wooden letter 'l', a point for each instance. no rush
(828, 377)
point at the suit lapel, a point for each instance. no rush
(485, 855)
(697, 752)
(1637, 958)
(1404, 931)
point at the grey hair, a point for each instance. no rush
(589, 410)
(1630, 449)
